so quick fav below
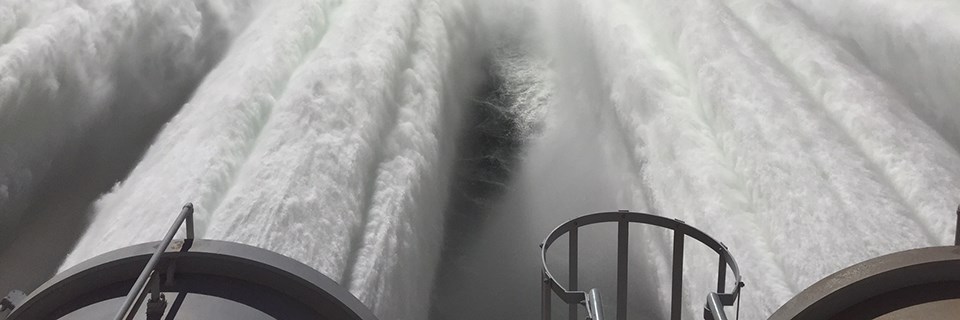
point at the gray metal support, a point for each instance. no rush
(185, 214)
(594, 305)
(137, 304)
(714, 308)
(545, 296)
(956, 236)
(573, 270)
(676, 296)
(157, 304)
(189, 221)
(623, 236)
(155, 286)
(722, 274)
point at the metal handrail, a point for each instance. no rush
(137, 289)
(715, 300)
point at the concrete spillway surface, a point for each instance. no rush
(416, 151)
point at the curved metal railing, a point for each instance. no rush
(713, 310)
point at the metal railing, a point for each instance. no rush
(137, 293)
(956, 235)
(713, 310)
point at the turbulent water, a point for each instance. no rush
(417, 151)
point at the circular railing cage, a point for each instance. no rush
(715, 301)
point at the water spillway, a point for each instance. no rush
(804, 134)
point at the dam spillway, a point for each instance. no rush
(807, 135)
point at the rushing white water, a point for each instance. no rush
(69, 70)
(205, 144)
(914, 45)
(807, 135)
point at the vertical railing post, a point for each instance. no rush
(677, 288)
(190, 222)
(573, 269)
(544, 295)
(623, 235)
(956, 236)
(722, 274)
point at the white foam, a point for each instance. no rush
(65, 70)
(196, 156)
(765, 160)
(914, 45)
(806, 137)
(312, 172)
(396, 261)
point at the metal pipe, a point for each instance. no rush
(137, 304)
(545, 295)
(623, 235)
(185, 214)
(714, 309)
(956, 236)
(676, 290)
(594, 305)
(722, 275)
(572, 307)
